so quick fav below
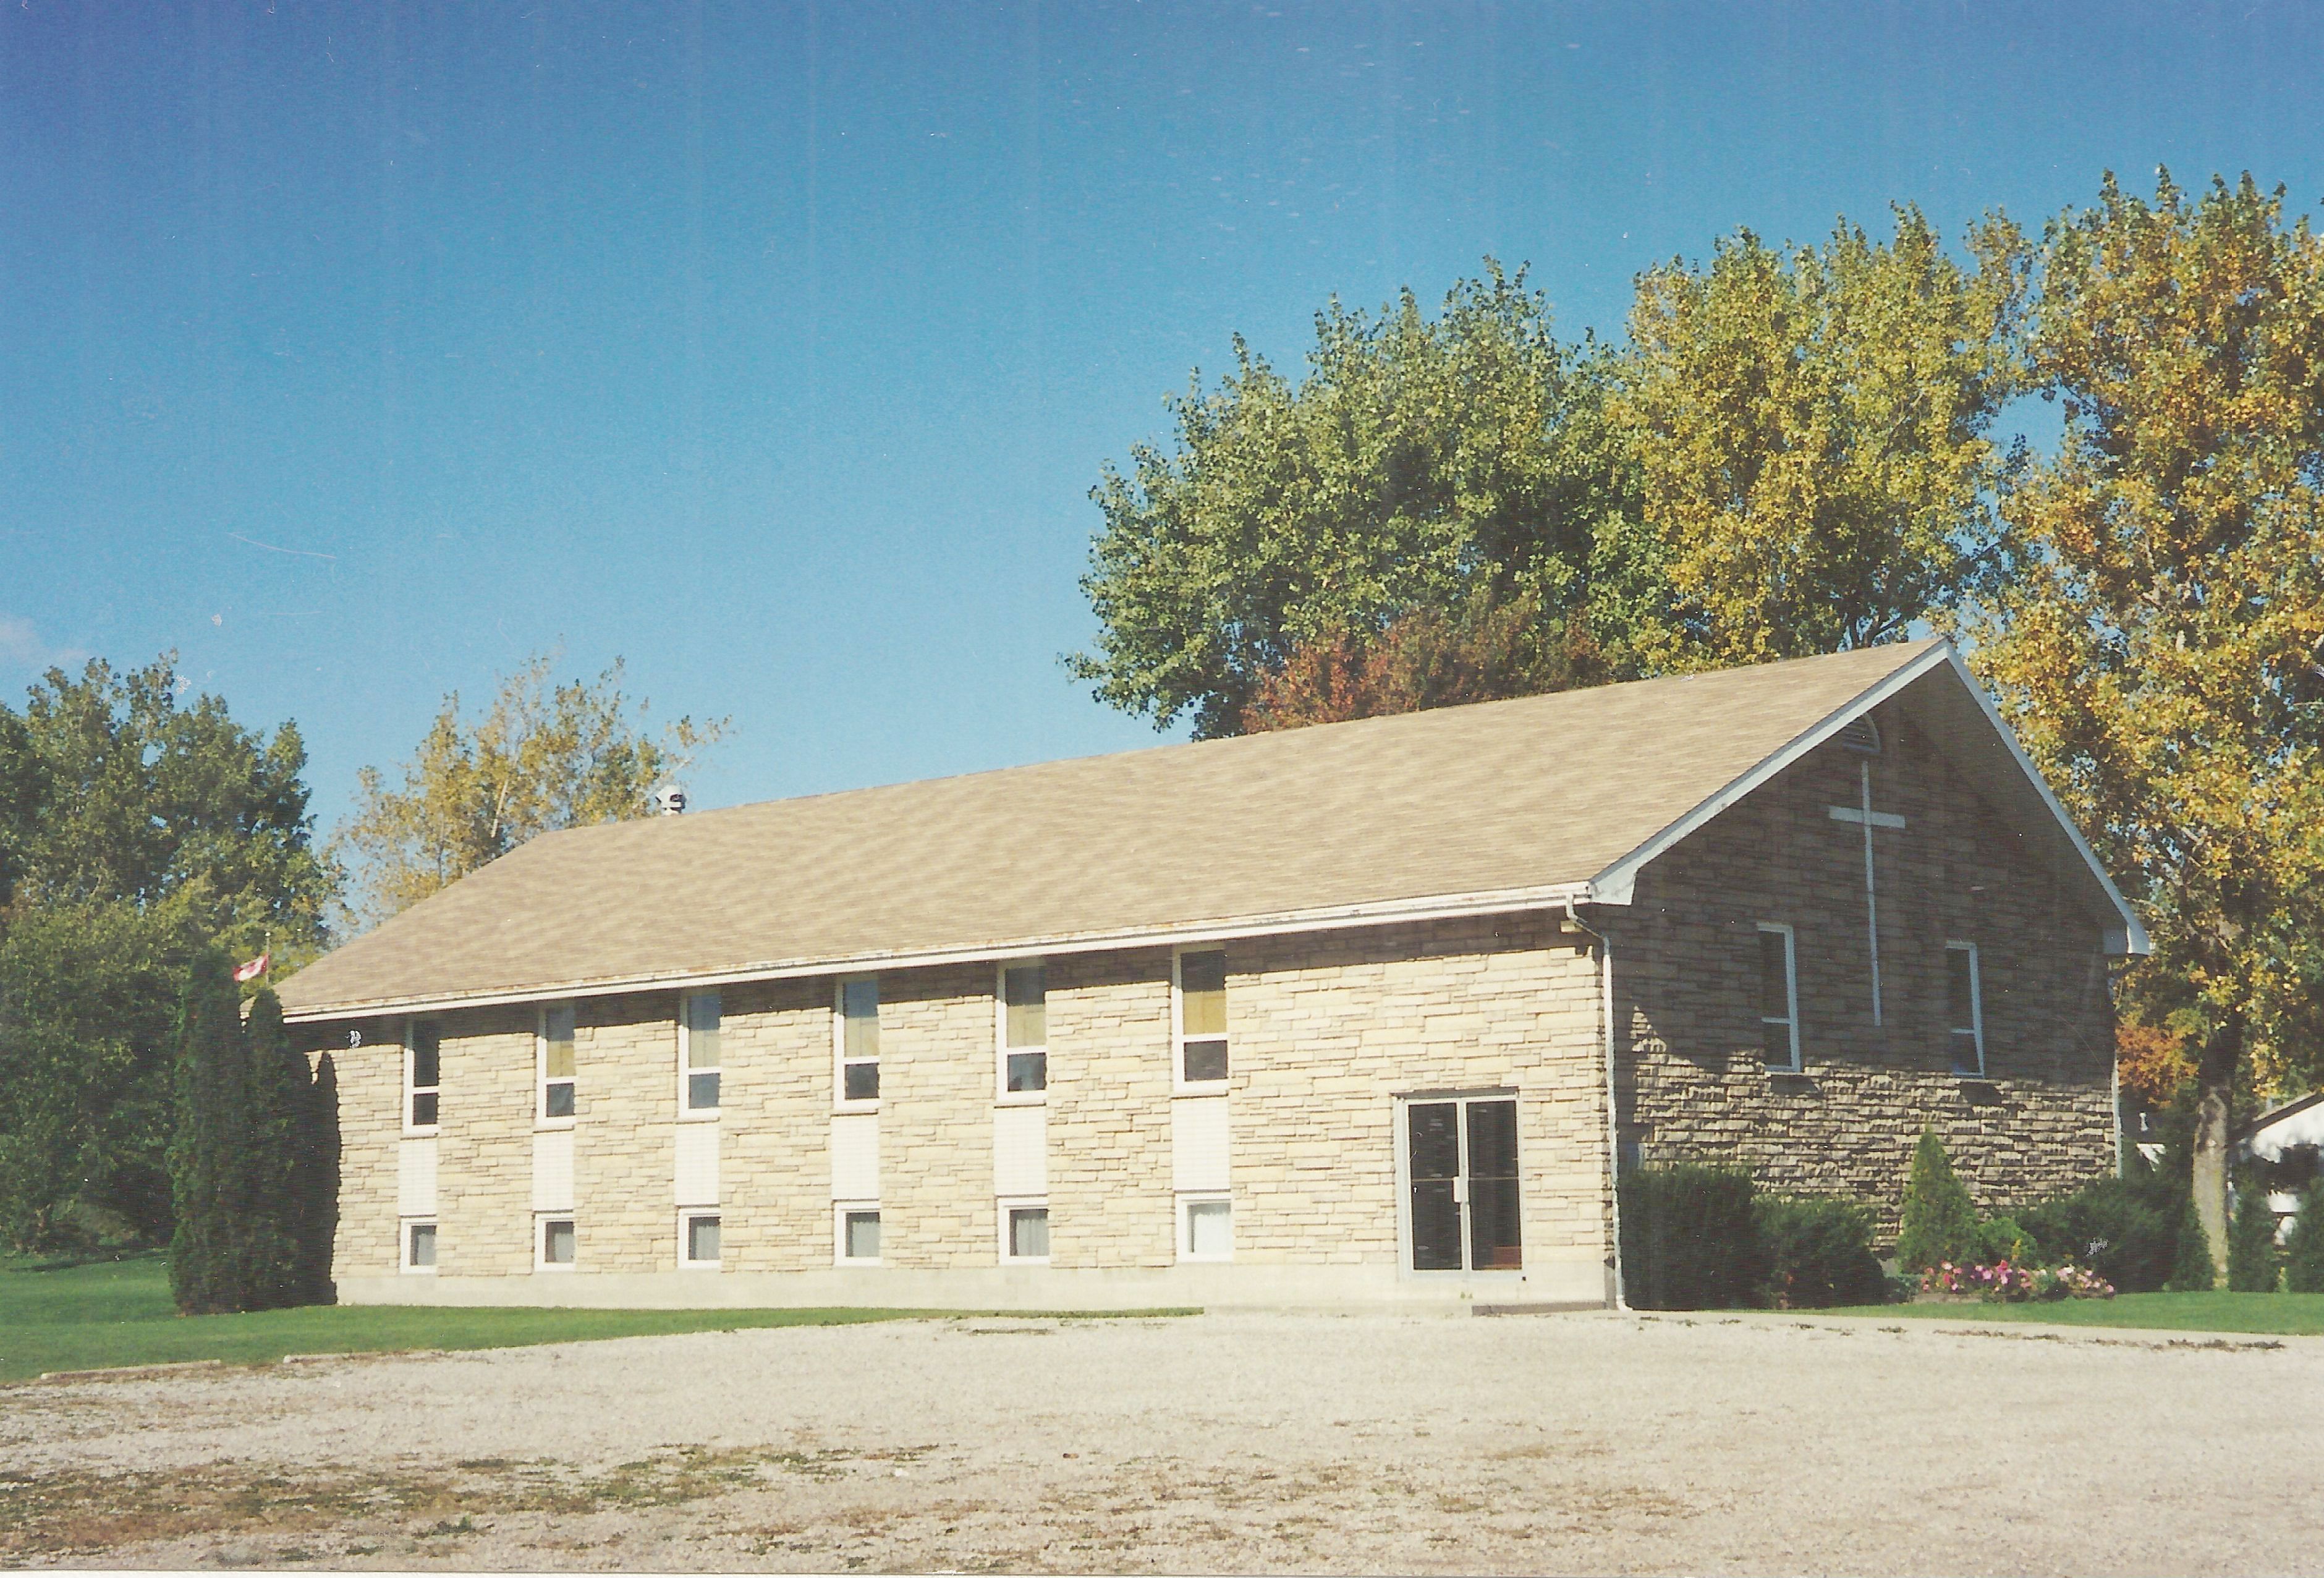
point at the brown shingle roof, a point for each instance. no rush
(1504, 798)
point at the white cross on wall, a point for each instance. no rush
(1868, 818)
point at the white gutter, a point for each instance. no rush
(1504, 901)
(1613, 1128)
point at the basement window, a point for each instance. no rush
(418, 1246)
(1025, 1231)
(697, 1240)
(858, 1234)
(557, 1239)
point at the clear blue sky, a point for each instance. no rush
(776, 349)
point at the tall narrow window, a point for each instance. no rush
(557, 1063)
(1024, 1030)
(859, 1039)
(423, 1075)
(698, 1051)
(1779, 998)
(1203, 1017)
(1965, 1009)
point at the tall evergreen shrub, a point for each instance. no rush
(255, 1144)
(2251, 1241)
(2191, 1267)
(2303, 1252)
(1688, 1240)
(1939, 1221)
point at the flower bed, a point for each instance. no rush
(2004, 1282)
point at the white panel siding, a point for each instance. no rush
(856, 1156)
(1021, 1150)
(698, 1163)
(415, 1178)
(1198, 1142)
(552, 1170)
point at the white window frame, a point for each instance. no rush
(403, 1245)
(1180, 1086)
(1193, 1197)
(1007, 1204)
(839, 1059)
(1001, 1094)
(410, 1067)
(540, 1080)
(1791, 993)
(540, 1261)
(1976, 1008)
(692, 1115)
(841, 1209)
(687, 1218)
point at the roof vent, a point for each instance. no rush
(670, 800)
(1861, 734)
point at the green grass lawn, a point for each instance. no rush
(95, 1315)
(2287, 1314)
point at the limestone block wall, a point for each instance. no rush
(937, 1206)
(370, 1080)
(1328, 1028)
(1694, 1084)
(1111, 1197)
(484, 1155)
(624, 1140)
(775, 1126)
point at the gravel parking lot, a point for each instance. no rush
(1230, 1443)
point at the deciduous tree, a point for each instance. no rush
(543, 756)
(2161, 650)
(1421, 463)
(1812, 433)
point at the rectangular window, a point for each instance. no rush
(697, 1239)
(557, 1064)
(1964, 1009)
(1025, 1230)
(423, 1071)
(1024, 1030)
(556, 1238)
(859, 1235)
(1202, 1018)
(859, 1039)
(420, 1246)
(697, 1037)
(1779, 998)
(1205, 1227)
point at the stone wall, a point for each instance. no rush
(1694, 1084)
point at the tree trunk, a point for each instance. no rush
(2214, 1077)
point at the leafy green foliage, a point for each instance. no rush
(544, 756)
(2251, 1261)
(1811, 431)
(1816, 1252)
(2303, 1252)
(1688, 1239)
(2157, 646)
(2000, 1238)
(2126, 1230)
(1939, 1222)
(248, 1162)
(1421, 463)
(2193, 1269)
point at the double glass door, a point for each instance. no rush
(1462, 1156)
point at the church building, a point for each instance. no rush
(1366, 1012)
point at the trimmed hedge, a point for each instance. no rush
(2126, 1230)
(1816, 1253)
(1687, 1240)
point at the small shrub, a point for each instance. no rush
(1816, 1253)
(1940, 1221)
(2002, 1239)
(2303, 1253)
(2191, 1267)
(2251, 1243)
(2114, 1227)
(1687, 1238)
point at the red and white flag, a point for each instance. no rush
(252, 970)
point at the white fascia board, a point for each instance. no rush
(2131, 938)
(1390, 912)
(1617, 883)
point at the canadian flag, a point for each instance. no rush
(252, 970)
